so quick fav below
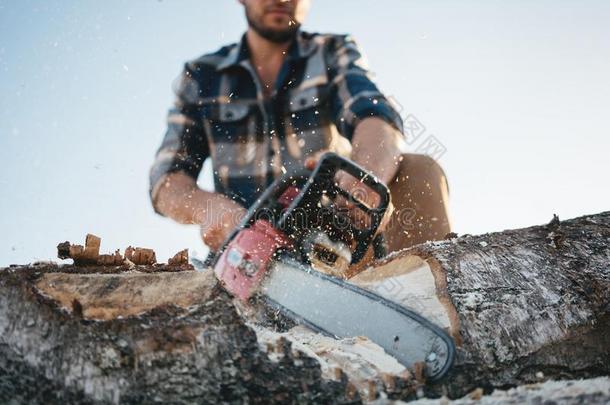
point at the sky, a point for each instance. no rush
(514, 94)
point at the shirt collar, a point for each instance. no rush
(301, 48)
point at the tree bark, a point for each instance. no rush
(524, 306)
(139, 338)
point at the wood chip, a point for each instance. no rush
(90, 255)
(140, 256)
(371, 390)
(389, 381)
(180, 258)
(350, 391)
(419, 370)
(111, 260)
(476, 394)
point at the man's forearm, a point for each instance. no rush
(377, 146)
(178, 197)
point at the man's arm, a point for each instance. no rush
(179, 198)
(173, 176)
(362, 113)
(377, 146)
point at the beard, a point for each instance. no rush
(273, 35)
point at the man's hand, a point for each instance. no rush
(357, 189)
(179, 198)
(376, 146)
(221, 217)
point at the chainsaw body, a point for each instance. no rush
(298, 214)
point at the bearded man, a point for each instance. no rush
(269, 105)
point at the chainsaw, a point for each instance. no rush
(294, 248)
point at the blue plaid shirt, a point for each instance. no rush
(323, 90)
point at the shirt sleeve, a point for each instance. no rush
(184, 147)
(354, 95)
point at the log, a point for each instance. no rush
(524, 306)
(139, 338)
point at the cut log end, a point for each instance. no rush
(416, 283)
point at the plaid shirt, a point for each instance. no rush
(322, 91)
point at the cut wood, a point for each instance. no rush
(90, 255)
(180, 258)
(110, 296)
(141, 256)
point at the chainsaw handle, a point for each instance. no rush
(313, 185)
(376, 214)
(323, 179)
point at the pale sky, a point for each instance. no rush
(517, 92)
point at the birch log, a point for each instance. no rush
(139, 338)
(524, 306)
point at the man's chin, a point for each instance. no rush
(277, 35)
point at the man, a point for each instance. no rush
(271, 104)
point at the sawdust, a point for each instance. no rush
(361, 360)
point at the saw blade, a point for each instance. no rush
(340, 309)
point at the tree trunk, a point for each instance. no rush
(79, 338)
(523, 306)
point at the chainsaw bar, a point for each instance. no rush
(339, 309)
